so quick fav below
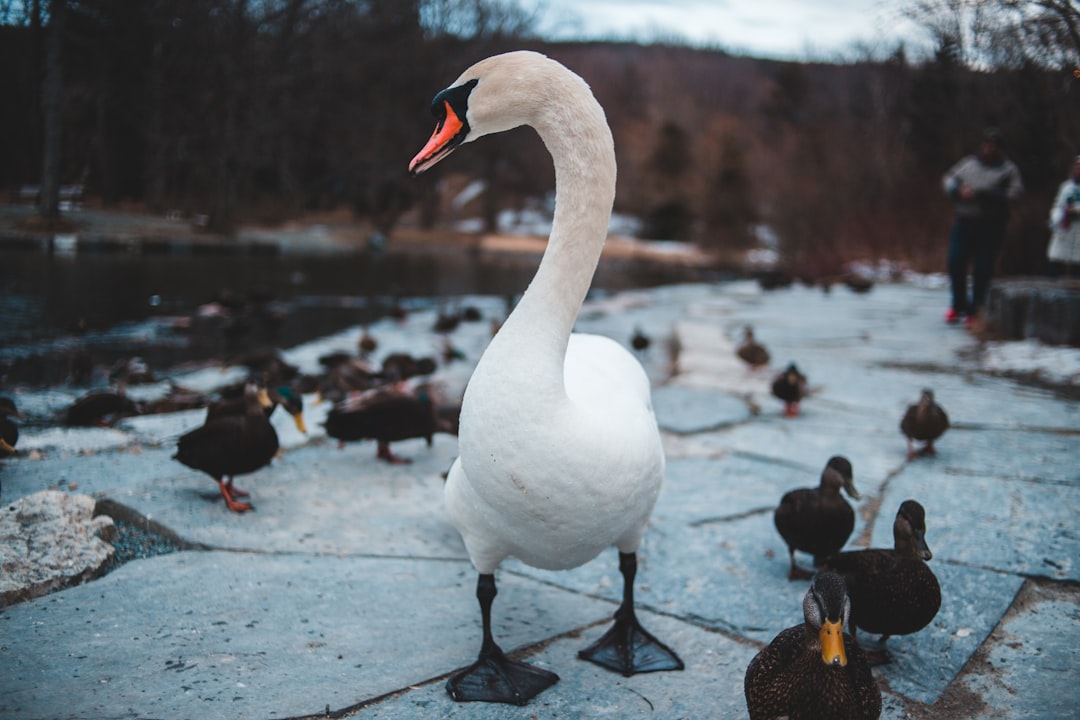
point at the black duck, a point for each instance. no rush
(101, 408)
(9, 430)
(893, 592)
(790, 386)
(925, 421)
(383, 415)
(639, 340)
(367, 343)
(814, 671)
(231, 445)
(397, 367)
(818, 520)
(751, 351)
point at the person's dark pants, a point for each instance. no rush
(976, 242)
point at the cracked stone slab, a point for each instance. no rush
(732, 577)
(972, 602)
(1031, 658)
(1015, 526)
(710, 686)
(684, 410)
(232, 636)
(875, 448)
(703, 491)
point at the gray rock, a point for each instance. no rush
(48, 541)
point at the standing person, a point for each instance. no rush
(1064, 246)
(980, 186)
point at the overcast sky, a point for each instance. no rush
(783, 29)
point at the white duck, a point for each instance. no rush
(560, 455)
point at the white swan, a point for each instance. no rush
(560, 455)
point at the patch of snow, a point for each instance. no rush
(72, 440)
(1050, 362)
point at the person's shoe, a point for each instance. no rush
(969, 322)
(951, 316)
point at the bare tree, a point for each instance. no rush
(1004, 33)
(52, 98)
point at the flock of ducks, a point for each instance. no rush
(818, 669)
(386, 404)
(560, 455)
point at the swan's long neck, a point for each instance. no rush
(576, 133)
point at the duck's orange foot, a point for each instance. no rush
(385, 454)
(229, 493)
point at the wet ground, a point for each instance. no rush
(347, 592)
(123, 284)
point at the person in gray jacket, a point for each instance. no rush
(981, 187)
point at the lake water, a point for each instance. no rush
(62, 310)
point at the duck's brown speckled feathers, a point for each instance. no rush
(924, 421)
(818, 520)
(893, 592)
(803, 675)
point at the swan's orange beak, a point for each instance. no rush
(441, 143)
(832, 644)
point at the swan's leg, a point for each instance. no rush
(627, 647)
(495, 677)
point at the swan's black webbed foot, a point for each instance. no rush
(498, 679)
(494, 677)
(627, 647)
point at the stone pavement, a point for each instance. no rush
(348, 594)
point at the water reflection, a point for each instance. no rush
(110, 305)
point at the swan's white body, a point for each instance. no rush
(560, 455)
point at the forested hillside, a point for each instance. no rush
(264, 111)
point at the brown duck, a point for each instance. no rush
(924, 421)
(751, 351)
(814, 671)
(818, 520)
(893, 592)
(385, 415)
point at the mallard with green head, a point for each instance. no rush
(893, 592)
(814, 671)
(283, 395)
(818, 520)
